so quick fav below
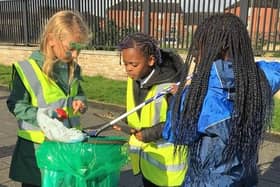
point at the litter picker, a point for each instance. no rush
(95, 132)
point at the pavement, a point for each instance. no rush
(98, 113)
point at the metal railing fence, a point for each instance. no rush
(172, 23)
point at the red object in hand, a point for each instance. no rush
(61, 113)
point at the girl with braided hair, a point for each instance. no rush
(222, 114)
(150, 70)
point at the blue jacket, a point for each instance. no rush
(213, 129)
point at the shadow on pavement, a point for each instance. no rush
(6, 151)
(3, 97)
(127, 179)
(271, 176)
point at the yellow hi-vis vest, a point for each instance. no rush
(155, 160)
(44, 93)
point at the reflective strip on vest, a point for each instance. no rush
(27, 126)
(144, 155)
(44, 93)
(155, 160)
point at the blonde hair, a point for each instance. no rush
(61, 23)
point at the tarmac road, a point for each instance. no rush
(269, 159)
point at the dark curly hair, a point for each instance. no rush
(216, 36)
(144, 42)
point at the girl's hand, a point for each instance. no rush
(78, 105)
(174, 88)
(138, 135)
(125, 129)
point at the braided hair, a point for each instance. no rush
(144, 42)
(253, 103)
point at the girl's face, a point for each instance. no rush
(65, 49)
(136, 64)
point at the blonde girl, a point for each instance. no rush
(49, 78)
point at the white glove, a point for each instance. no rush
(55, 130)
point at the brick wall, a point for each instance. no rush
(104, 63)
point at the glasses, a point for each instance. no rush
(77, 46)
(73, 46)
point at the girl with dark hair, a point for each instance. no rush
(149, 71)
(222, 114)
